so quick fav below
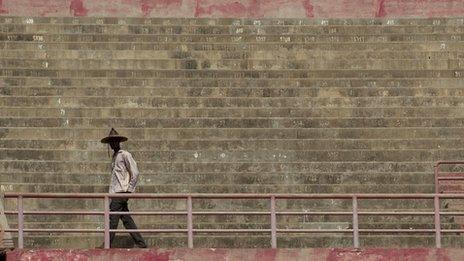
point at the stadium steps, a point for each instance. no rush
(229, 106)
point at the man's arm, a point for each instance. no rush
(131, 166)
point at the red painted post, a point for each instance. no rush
(436, 178)
(355, 223)
(273, 223)
(20, 223)
(437, 221)
(107, 222)
(190, 221)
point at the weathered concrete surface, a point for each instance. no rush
(231, 105)
(234, 8)
(411, 254)
(6, 241)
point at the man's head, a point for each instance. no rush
(115, 145)
(113, 139)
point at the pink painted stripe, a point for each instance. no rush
(332, 254)
(235, 8)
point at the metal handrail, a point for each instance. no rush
(449, 174)
(273, 230)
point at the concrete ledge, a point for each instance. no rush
(329, 254)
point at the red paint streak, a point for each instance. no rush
(2, 10)
(384, 254)
(442, 255)
(253, 8)
(329, 254)
(234, 9)
(266, 255)
(40, 7)
(381, 12)
(148, 5)
(159, 256)
(424, 8)
(265, 8)
(250, 8)
(197, 8)
(309, 8)
(77, 8)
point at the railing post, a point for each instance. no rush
(437, 189)
(20, 222)
(107, 223)
(189, 222)
(436, 200)
(355, 222)
(273, 223)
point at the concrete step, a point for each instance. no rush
(328, 113)
(222, 73)
(335, 92)
(231, 28)
(334, 45)
(221, 167)
(225, 102)
(246, 156)
(298, 205)
(218, 55)
(233, 123)
(225, 188)
(65, 132)
(225, 144)
(318, 82)
(225, 26)
(223, 35)
(229, 177)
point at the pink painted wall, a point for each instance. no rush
(412, 254)
(236, 8)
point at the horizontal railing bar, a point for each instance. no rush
(391, 213)
(289, 230)
(397, 230)
(231, 213)
(452, 230)
(98, 213)
(155, 213)
(359, 213)
(451, 178)
(71, 230)
(448, 162)
(231, 230)
(313, 213)
(63, 212)
(164, 230)
(452, 213)
(229, 196)
(38, 230)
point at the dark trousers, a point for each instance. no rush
(120, 204)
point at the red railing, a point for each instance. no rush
(272, 213)
(447, 176)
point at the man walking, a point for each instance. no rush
(124, 175)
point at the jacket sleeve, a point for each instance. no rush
(131, 166)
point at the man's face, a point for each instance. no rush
(114, 144)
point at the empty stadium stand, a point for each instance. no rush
(232, 106)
